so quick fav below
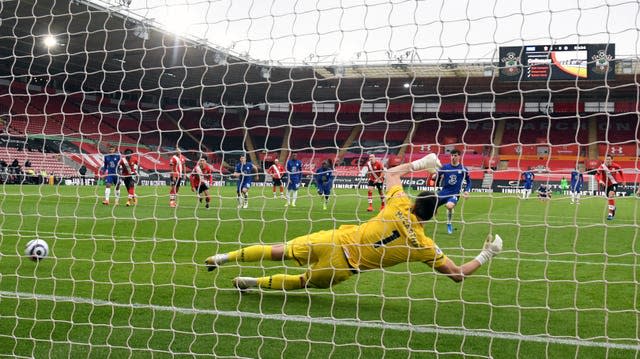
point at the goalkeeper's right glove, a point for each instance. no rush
(429, 162)
(492, 246)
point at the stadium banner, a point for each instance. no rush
(557, 62)
(357, 182)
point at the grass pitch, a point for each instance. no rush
(129, 281)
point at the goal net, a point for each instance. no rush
(107, 108)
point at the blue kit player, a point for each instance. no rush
(324, 181)
(575, 187)
(110, 170)
(244, 172)
(451, 178)
(294, 172)
(527, 181)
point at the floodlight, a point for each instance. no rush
(49, 41)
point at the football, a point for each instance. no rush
(37, 249)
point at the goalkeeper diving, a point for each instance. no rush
(394, 236)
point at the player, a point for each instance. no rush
(527, 180)
(451, 178)
(294, 173)
(564, 185)
(544, 192)
(244, 172)
(575, 187)
(110, 170)
(276, 171)
(178, 170)
(129, 170)
(609, 175)
(201, 179)
(393, 236)
(324, 181)
(375, 172)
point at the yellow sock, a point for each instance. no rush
(281, 281)
(251, 254)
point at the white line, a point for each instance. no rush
(331, 321)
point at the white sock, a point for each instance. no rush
(107, 193)
(295, 197)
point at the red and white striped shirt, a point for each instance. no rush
(276, 171)
(177, 164)
(610, 175)
(128, 166)
(375, 171)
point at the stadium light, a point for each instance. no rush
(406, 85)
(219, 59)
(49, 41)
(141, 31)
(265, 72)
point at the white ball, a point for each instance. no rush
(37, 249)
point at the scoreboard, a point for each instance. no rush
(557, 62)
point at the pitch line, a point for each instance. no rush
(422, 329)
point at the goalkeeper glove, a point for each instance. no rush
(429, 162)
(492, 246)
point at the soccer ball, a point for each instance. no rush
(37, 249)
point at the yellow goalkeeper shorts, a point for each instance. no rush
(324, 256)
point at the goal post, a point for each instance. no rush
(514, 91)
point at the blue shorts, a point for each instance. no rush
(324, 188)
(528, 185)
(293, 185)
(111, 179)
(243, 185)
(447, 199)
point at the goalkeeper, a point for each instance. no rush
(394, 236)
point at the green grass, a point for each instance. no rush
(129, 281)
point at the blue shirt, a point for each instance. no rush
(451, 178)
(111, 162)
(294, 169)
(528, 177)
(324, 176)
(245, 171)
(577, 179)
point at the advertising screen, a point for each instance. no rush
(557, 62)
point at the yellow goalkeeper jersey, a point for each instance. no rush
(393, 236)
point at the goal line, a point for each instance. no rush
(327, 321)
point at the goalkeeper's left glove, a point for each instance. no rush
(429, 162)
(492, 246)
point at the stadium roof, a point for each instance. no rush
(100, 50)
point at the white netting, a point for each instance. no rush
(514, 86)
